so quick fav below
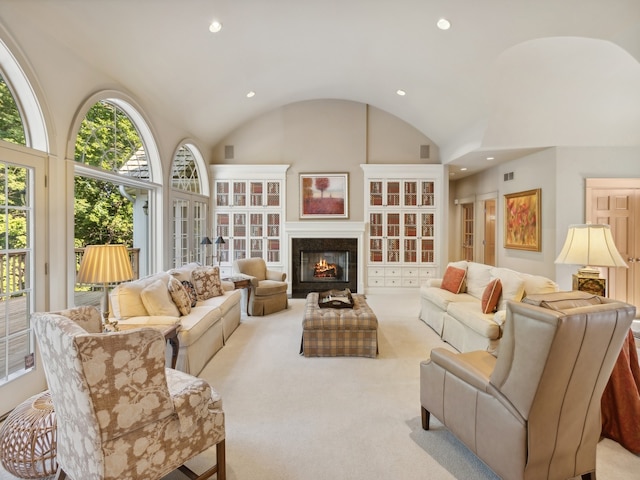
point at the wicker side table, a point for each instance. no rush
(28, 438)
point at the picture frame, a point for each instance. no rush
(324, 195)
(522, 220)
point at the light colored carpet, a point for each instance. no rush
(294, 418)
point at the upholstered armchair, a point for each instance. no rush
(268, 292)
(120, 413)
(534, 411)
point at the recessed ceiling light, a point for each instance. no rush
(215, 26)
(401, 92)
(251, 94)
(490, 158)
(443, 24)
(463, 169)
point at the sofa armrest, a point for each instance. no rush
(191, 404)
(434, 282)
(274, 275)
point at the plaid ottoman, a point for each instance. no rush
(333, 332)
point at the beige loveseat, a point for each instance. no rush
(203, 330)
(458, 317)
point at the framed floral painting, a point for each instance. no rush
(324, 195)
(522, 220)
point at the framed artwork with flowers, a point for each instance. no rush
(522, 220)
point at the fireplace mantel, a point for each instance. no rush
(326, 229)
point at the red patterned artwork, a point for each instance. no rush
(522, 220)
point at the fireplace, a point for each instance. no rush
(319, 264)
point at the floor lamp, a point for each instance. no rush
(105, 264)
(219, 241)
(206, 241)
(591, 246)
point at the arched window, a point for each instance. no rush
(189, 201)
(23, 143)
(114, 191)
(11, 128)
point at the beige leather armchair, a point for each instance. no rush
(268, 292)
(534, 411)
(120, 413)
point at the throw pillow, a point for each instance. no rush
(206, 281)
(157, 300)
(453, 279)
(191, 291)
(179, 296)
(491, 296)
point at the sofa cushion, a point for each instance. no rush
(469, 314)
(179, 296)
(157, 300)
(453, 279)
(478, 277)
(512, 285)
(191, 291)
(535, 284)
(125, 298)
(491, 296)
(224, 302)
(183, 273)
(206, 281)
(200, 319)
(441, 297)
(562, 301)
(270, 287)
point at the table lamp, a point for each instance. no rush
(105, 264)
(591, 246)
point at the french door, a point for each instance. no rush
(22, 268)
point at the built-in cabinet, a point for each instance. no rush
(403, 205)
(249, 211)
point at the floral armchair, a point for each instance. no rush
(120, 413)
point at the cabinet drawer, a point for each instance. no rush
(412, 272)
(426, 273)
(392, 281)
(392, 272)
(410, 282)
(376, 281)
(376, 272)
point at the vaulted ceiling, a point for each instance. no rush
(508, 76)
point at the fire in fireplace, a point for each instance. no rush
(327, 266)
(323, 269)
(320, 264)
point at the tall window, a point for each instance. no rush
(189, 210)
(111, 191)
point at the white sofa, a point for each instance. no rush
(458, 317)
(203, 331)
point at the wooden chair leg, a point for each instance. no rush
(426, 415)
(220, 467)
(221, 461)
(60, 474)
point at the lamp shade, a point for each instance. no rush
(105, 264)
(219, 240)
(206, 241)
(590, 245)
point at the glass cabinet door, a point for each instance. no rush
(393, 237)
(239, 194)
(273, 237)
(273, 193)
(393, 193)
(410, 230)
(375, 193)
(427, 232)
(410, 193)
(256, 196)
(376, 230)
(427, 193)
(222, 194)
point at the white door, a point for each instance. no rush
(22, 267)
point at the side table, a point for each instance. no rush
(170, 333)
(240, 281)
(28, 444)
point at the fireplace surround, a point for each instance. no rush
(319, 264)
(331, 233)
